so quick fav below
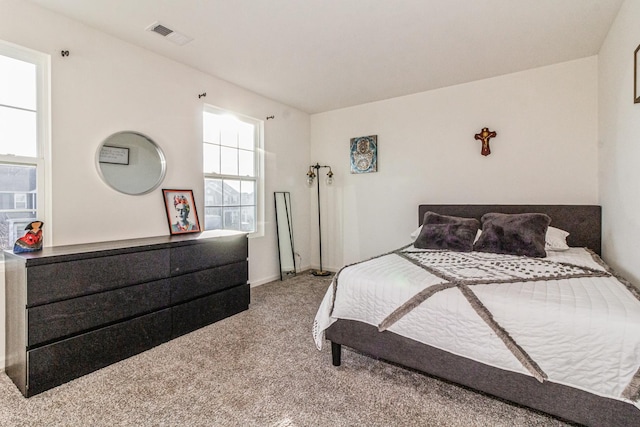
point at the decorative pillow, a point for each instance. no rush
(514, 234)
(447, 232)
(556, 239)
(415, 233)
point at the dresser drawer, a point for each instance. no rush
(65, 360)
(192, 285)
(203, 311)
(208, 254)
(57, 281)
(64, 318)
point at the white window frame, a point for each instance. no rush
(20, 201)
(42, 161)
(258, 162)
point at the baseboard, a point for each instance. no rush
(260, 282)
(303, 270)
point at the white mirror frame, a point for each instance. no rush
(133, 164)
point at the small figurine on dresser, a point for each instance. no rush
(32, 240)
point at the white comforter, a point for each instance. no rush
(583, 332)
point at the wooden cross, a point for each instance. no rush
(485, 135)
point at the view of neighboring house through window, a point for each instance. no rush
(231, 170)
(22, 130)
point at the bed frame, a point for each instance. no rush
(584, 224)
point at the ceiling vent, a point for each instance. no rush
(169, 34)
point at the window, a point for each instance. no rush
(231, 171)
(23, 132)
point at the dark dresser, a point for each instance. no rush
(71, 310)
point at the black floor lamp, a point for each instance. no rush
(311, 175)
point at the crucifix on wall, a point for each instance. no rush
(485, 135)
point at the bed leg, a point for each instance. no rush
(336, 352)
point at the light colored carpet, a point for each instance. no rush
(259, 368)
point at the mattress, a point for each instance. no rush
(564, 318)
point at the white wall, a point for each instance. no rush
(545, 152)
(107, 85)
(619, 122)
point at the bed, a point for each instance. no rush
(559, 334)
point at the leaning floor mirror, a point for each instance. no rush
(284, 228)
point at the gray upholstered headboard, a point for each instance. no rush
(583, 222)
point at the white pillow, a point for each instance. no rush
(556, 239)
(416, 233)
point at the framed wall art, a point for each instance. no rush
(181, 211)
(364, 154)
(114, 155)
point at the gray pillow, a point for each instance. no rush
(447, 232)
(513, 234)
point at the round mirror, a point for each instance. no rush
(131, 163)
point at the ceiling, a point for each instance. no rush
(321, 55)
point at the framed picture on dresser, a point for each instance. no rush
(181, 211)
